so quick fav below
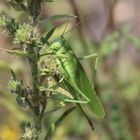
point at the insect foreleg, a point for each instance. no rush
(88, 56)
(62, 97)
(68, 100)
(58, 83)
(74, 101)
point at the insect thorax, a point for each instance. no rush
(60, 46)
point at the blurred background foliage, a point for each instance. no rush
(107, 27)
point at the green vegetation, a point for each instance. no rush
(58, 64)
(65, 82)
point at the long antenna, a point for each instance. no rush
(66, 24)
(77, 24)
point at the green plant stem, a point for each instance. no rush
(34, 70)
(35, 8)
(35, 81)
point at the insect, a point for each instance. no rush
(74, 77)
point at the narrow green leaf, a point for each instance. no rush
(48, 35)
(15, 52)
(58, 17)
(57, 123)
(13, 75)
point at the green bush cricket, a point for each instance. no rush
(75, 78)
